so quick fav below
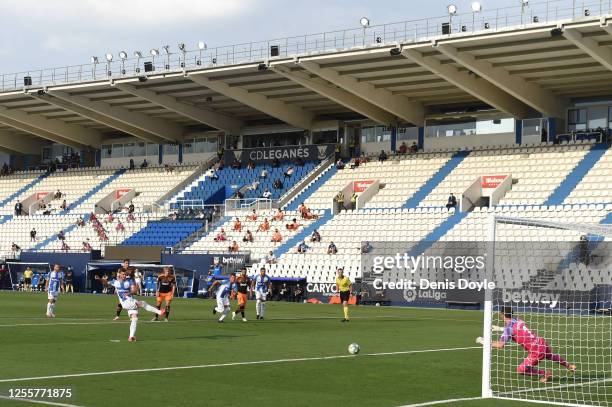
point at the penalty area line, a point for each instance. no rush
(230, 364)
(448, 401)
(47, 403)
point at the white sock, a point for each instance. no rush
(149, 308)
(48, 308)
(225, 312)
(133, 325)
(263, 309)
(258, 307)
(53, 308)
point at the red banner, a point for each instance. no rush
(492, 181)
(41, 195)
(120, 192)
(360, 186)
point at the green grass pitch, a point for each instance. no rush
(222, 358)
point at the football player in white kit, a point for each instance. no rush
(55, 284)
(125, 288)
(262, 287)
(223, 296)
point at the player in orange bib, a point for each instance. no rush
(243, 288)
(166, 284)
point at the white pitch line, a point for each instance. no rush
(48, 403)
(436, 402)
(257, 362)
(558, 387)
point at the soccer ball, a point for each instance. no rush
(353, 349)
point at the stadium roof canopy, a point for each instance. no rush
(397, 73)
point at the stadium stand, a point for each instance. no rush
(162, 233)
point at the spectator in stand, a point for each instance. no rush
(354, 201)
(414, 147)
(293, 226)
(131, 207)
(61, 236)
(264, 226)
(248, 237)
(120, 228)
(264, 174)
(302, 247)
(132, 166)
(65, 247)
(332, 249)
(278, 184)
(275, 163)
(212, 174)
(315, 237)
(266, 194)
(276, 236)
(64, 205)
(86, 245)
(382, 156)
(340, 164)
(144, 164)
(366, 247)
(233, 248)
(403, 149)
(452, 202)
(237, 226)
(339, 201)
(289, 172)
(169, 168)
(18, 209)
(239, 195)
(270, 258)
(110, 218)
(251, 165)
(131, 218)
(236, 164)
(221, 236)
(33, 235)
(253, 215)
(58, 195)
(279, 215)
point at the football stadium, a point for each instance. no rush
(406, 213)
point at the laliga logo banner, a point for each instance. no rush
(492, 181)
(266, 155)
(360, 186)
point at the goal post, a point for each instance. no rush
(554, 283)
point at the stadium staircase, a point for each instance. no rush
(43, 243)
(22, 190)
(93, 191)
(436, 179)
(163, 233)
(436, 234)
(6, 218)
(311, 188)
(303, 235)
(578, 173)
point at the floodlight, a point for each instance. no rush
(154, 52)
(123, 55)
(94, 60)
(365, 22)
(452, 9)
(476, 7)
(109, 57)
(166, 49)
(138, 54)
(201, 45)
(182, 47)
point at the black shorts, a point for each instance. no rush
(345, 296)
(27, 281)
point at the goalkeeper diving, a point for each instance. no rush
(515, 329)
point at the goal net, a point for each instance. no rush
(37, 281)
(551, 312)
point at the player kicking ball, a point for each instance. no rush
(55, 284)
(243, 287)
(262, 287)
(125, 289)
(223, 294)
(166, 284)
(516, 330)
